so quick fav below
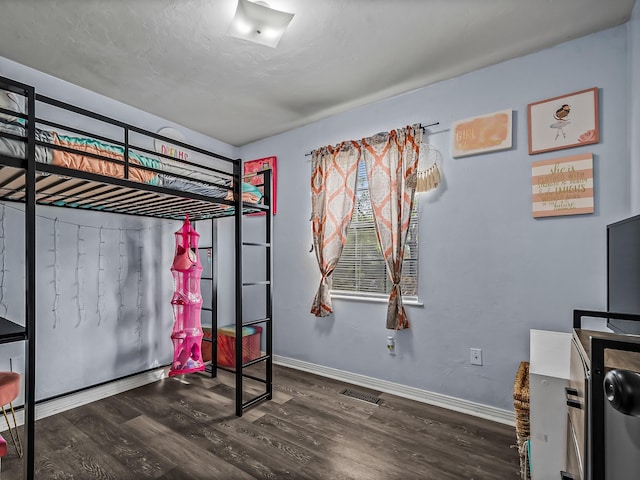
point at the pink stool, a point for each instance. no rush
(9, 391)
(3, 447)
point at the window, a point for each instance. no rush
(362, 271)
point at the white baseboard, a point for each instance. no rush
(498, 415)
(73, 400)
(78, 399)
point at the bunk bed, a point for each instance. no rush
(46, 162)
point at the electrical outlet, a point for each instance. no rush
(476, 356)
(17, 364)
(391, 345)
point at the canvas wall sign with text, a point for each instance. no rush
(482, 134)
(562, 186)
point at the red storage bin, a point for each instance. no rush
(251, 343)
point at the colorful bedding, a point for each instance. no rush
(86, 163)
(77, 161)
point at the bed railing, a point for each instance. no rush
(129, 150)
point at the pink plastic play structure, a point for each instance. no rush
(186, 302)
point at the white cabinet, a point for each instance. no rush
(548, 377)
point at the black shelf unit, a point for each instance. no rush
(24, 180)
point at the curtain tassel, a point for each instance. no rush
(428, 179)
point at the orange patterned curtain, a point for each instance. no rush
(333, 194)
(391, 161)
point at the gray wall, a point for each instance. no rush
(106, 323)
(489, 272)
(634, 100)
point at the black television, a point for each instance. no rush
(623, 273)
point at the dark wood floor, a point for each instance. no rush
(175, 430)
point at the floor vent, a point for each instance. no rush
(365, 397)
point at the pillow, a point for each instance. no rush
(9, 101)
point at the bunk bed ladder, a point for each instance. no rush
(240, 324)
(267, 358)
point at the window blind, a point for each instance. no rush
(361, 270)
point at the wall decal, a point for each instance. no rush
(562, 186)
(121, 277)
(564, 122)
(56, 270)
(140, 317)
(168, 148)
(101, 290)
(482, 134)
(79, 296)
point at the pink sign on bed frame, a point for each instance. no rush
(266, 163)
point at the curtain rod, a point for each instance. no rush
(424, 127)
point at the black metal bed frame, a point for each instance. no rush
(26, 181)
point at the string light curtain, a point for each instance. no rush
(333, 193)
(391, 162)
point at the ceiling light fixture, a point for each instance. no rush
(257, 22)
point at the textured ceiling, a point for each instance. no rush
(173, 59)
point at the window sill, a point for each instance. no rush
(356, 298)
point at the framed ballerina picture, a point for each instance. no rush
(564, 122)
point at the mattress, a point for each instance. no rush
(165, 173)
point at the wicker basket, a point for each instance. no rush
(521, 407)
